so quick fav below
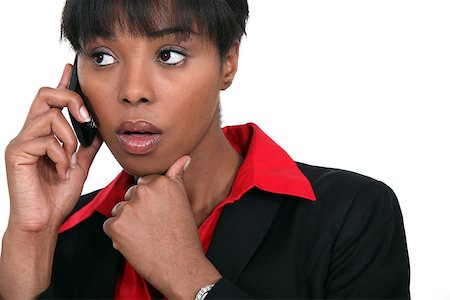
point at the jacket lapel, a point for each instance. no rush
(97, 262)
(240, 230)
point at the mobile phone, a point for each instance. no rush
(85, 132)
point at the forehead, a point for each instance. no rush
(84, 20)
(164, 36)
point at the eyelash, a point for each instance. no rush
(174, 50)
(97, 53)
(94, 55)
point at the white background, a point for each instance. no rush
(359, 85)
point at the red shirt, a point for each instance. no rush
(266, 166)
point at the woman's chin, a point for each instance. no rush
(141, 168)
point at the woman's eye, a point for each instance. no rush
(171, 57)
(103, 59)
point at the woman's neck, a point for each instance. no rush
(211, 174)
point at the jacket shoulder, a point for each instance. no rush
(344, 187)
(318, 174)
(360, 219)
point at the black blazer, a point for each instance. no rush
(349, 244)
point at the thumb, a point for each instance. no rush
(176, 170)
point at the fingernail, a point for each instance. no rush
(186, 164)
(85, 114)
(73, 160)
(68, 175)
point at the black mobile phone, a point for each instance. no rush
(85, 132)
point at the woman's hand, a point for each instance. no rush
(45, 174)
(45, 171)
(155, 229)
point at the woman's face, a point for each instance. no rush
(154, 99)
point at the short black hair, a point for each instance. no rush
(222, 21)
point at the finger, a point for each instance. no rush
(108, 229)
(106, 226)
(117, 208)
(79, 112)
(60, 97)
(177, 169)
(48, 98)
(147, 179)
(52, 123)
(35, 149)
(129, 193)
(85, 155)
(65, 77)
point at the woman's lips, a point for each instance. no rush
(138, 137)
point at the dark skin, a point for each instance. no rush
(171, 84)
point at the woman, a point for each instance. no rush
(199, 211)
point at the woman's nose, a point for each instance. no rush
(136, 87)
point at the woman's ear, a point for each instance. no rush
(230, 66)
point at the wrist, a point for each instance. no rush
(200, 276)
(15, 233)
(33, 223)
(26, 262)
(205, 281)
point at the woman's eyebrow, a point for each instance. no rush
(170, 31)
(160, 33)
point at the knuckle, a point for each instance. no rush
(71, 143)
(108, 226)
(51, 141)
(129, 193)
(10, 151)
(112, 228)
(161, 181)
(10, 148)
(52, 145)
(74, 100)
(126, 211)
(54, 113)
(119, 208)
(140, 190)
(43, 91)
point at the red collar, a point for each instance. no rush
(266, 166)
